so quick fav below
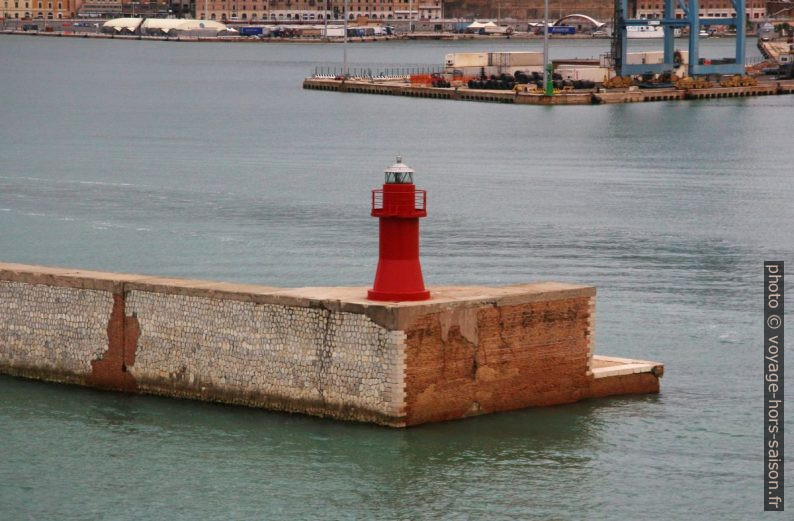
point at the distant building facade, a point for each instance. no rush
(38, 9)
(316, 10)
(99, 9)
(147, 9)
(601, 10)
(755, 9)
(183, 8)
(780, 8)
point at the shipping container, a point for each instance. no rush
(476, 72)
(515, 59)
(250, 31)
(652, 57)
(335, 31)
(498, 29)
(594, 74)
(467, 59)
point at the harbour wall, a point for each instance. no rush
(320, 351)
(603, 96)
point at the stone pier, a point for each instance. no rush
(321, 351)
(581, 97)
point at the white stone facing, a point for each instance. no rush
(590, 334)
(302, 355)
(52, 329)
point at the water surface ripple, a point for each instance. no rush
(209, 161)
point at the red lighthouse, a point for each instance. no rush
(399, 205)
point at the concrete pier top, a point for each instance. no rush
(333, 298)
(325, 351)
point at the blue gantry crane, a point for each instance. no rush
(690, 19)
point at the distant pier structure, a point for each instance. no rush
(398, 354)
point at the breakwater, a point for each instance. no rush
(321, 351)
(605, 96)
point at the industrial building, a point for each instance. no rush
(39, 9)
(314, 10)
(653, 9)
(527, 9)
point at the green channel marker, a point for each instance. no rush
(549, 80)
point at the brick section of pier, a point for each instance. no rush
(113, 370)
(536, 353)
(321, 351)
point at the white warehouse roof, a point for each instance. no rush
(163, 24)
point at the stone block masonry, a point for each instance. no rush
(321, 351)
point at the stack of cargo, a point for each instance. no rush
(492, 63)
(656, 57)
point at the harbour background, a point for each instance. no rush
(210, 161)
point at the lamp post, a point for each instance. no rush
(548, 86)
(344, 46)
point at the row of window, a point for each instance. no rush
(281, 16)
(339, 2)
(383, 4)
(39, 16)
(706, 5)
(709, 5)
(710, 14)
(27, 5)
(253, 8)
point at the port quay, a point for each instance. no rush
(402, 87)
(516, 78)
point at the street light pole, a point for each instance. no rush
(548, 87)
(344, 54)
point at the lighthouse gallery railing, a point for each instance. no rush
(420, 202)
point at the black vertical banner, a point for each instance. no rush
(773, 386)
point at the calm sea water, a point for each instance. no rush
(209, 161)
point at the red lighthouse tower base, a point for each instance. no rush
(399, 206)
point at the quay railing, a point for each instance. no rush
(753, 60)
(367, 73)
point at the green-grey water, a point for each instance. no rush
(210, 161)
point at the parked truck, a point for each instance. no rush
(250, 31)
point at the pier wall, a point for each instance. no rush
(505, 356)
(321, 351)
(198, 340)
(602, 96)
